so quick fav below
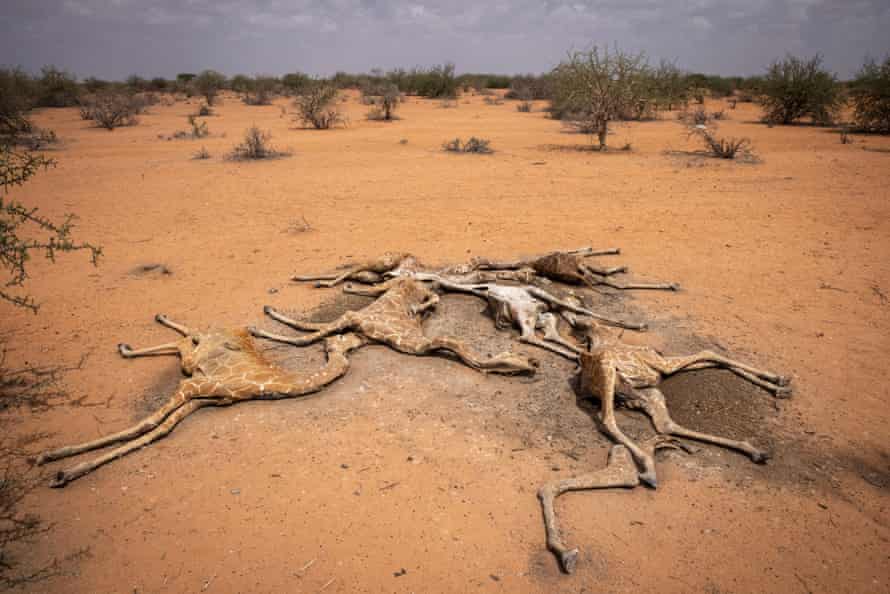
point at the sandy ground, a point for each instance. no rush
(419, 475)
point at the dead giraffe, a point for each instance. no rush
(528, 308)
(223, 367)
(394, 319)
(570, 268)
(369, 272)
(611, 368)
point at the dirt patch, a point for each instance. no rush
(151, 271)
(164, 386)
(546, 412)
(719, 402)
(749, 245)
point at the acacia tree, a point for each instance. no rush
(871, 97)
(385, 98)
(57, 88)
(600, 85)
(209, 83)
(670, 85)
(794, 88)
(260, 90)
(23, 231)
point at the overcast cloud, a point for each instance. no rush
(116, 38)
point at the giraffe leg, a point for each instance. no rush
(298, 324)
(486, 264)
(644, 460)
(527, 320)
(362, 276)
(589, 251)
(605, 271)
(344, 322)
(505, 363)
(533, 340)
(374, 291)
(63, 477)
(127, 352)
(165, 321)
(779, 391)
(555, 301)
(598, 278)
(287, 385)
(548, 323)
(620, 471)
(772, 382)
(339, 278)
(313, 277)
(651, 401)
(605, 381)
(182, 395)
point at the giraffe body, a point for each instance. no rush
(610, 369)
(222, 367)
(395, 319)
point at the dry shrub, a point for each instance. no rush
(85, 107)
(479, 146)
(695, 117)
(722, 148)
(199, 129)
(316, 106)
(384, 103)
(261, 90)
(37, 139)
(256, 145)
(112, 109)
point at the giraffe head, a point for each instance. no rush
(412, 291)
(217, 345)
(598, 336)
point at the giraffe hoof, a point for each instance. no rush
(783, 380)
(124, 349)
(759, 457)
(59, 481)
(782, 391)
(159, 318)
(569, 560)
(267, 309)
(42, 459)
(674, 287)
(649, 479)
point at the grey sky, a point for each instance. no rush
(116, 38)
